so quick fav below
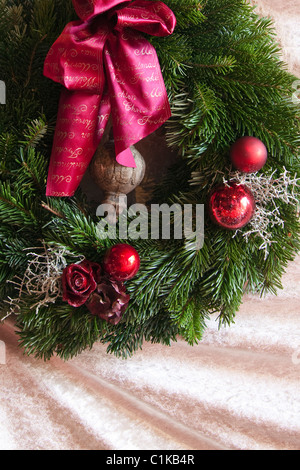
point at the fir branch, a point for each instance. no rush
(31, 61)
(36, 131)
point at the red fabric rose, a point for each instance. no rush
(109, 300)
(79, 281)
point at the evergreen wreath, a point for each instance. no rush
(225, 79)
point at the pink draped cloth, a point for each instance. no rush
(237, 389)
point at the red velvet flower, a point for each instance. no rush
(109, 300)
(79, 281)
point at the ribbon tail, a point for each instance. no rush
(79, 129)
(138, 96)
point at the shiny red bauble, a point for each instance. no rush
(121, 262)
(231, 205)
(248, 154)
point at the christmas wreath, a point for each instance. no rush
(228, 108)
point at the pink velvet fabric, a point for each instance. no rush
(238, 389)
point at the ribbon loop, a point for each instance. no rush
(87, 9)
(153, 18)
(106, 67)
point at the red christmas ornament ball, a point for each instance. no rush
(248, 154)
(231, 206)
(121, 262)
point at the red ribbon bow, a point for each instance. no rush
(107, 68)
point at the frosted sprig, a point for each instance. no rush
(42, 278)
(268, 190)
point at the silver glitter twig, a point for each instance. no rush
(267, 191)
(42, 278)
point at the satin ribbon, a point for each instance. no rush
(107, 69)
